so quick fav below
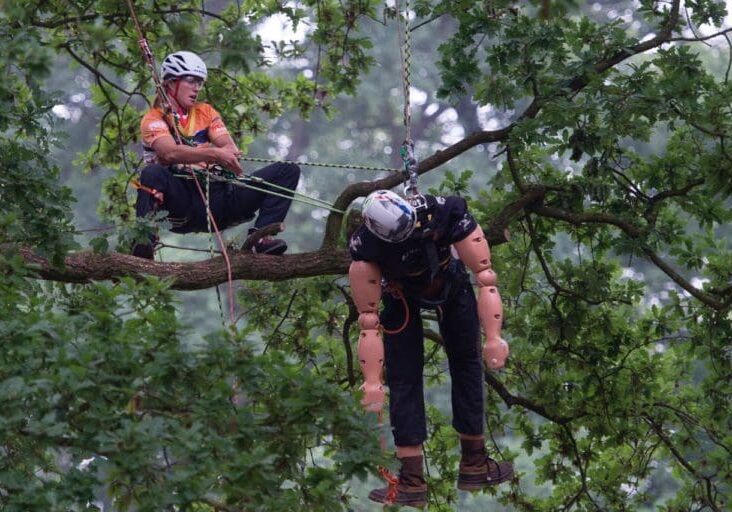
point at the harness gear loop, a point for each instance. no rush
(397, 292)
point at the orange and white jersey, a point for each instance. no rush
(202, 125)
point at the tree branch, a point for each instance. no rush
(62, 22)
(635, 233)
(85, 267)
(658, 429)
(511, 400)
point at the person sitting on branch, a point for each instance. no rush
(193, 136)
(404, 248)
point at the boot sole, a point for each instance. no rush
(464, 486)
(414, 504)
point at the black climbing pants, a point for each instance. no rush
(404, 360)
(230, 204)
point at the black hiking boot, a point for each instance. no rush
(410, 490)
(146, 251)
(269, 245)
(266, 244)
(478, 470)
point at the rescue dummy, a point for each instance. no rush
(203, 141)
(402, 258)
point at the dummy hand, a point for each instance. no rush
(228, 158)
(495, 353)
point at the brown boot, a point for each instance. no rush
(478, 470)
(409, 490)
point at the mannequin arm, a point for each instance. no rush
(365, 278)
(475, 253)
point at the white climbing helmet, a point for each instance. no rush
(388, 216)
(183, 63)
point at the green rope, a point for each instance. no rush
(242, 181)
(295, 196)
(320, 164)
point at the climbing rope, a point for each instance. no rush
(407, 149)
(149, 59)
(397, 292)
(405, 51)
(260, 184)
(211, 222)
(209, 217)
(321, 164)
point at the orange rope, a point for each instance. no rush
(392, 481)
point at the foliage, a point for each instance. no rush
(99, 392)
(617, 281)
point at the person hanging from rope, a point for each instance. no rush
(405, 246)
(196, 138)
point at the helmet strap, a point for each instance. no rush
(173, 95)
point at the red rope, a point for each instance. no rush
(222, 246)
(391, 479)
(392, 482)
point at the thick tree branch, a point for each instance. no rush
(363, 188)
(85, 267)
(664, 36)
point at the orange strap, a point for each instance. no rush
(391, 479)
(153, 192)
